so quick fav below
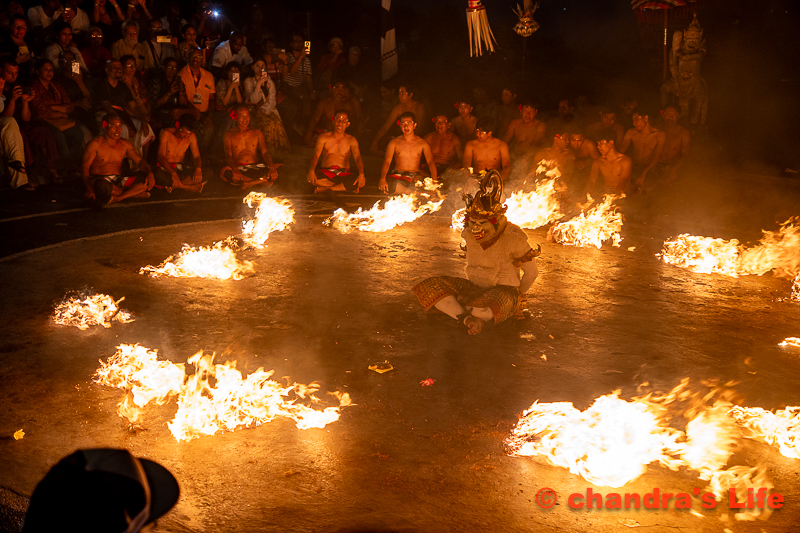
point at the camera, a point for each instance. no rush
(235, 77)
(308, 47)
(27, 90)
(76, 67)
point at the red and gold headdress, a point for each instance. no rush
(487, 202)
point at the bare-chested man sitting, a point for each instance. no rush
(407, 152)
(612, 165)
(486, 151)
(242, 146)
(608, 120)
(445, 145)
(527, 132)
(335, 148)
(171, 172)
(464, 123)
(648, 143)
(559, 155)
(405, 95)
(584, 149)
(676, 143)
(102, 171)
(322, 118)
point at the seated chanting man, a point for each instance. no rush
(526, 133)
(614, 167)
(445, 145)
(322, 117)
(496, 250)
(487, 152)
(242, 146)
(407, 152)
(335, 149)
(171, 172)
(102, 168)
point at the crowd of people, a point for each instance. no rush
(131, 100)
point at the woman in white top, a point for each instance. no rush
(259, 95)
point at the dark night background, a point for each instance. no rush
(595, 48)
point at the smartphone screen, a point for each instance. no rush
(308, 46)
(235, 77)
(76, 67)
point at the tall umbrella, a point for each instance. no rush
(654, 11)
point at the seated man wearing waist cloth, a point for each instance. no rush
(102, 171)
(333, 150)
(242, 146)
(407, 152)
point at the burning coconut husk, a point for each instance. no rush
(394, 212)
(215, 398)
(777, 251)
(613, 441)
(219, 261)
(600, 224)
(84, 311)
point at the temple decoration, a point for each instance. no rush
(526, 25)
(480, 34)
(686, 57)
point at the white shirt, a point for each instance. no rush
(52, 51)
(255, 95)
(37, 17)
(80, 22)
(222, 55)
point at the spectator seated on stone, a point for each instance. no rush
(159, 46)
(16, 47)
(187, 44)
(199, 95)
(95, 55)
(112, 96)
(70, 77)
(63, 34)
(74, 16)
(12, 149)
(259, 94)
(129, 45)
(165, 89)
(231, 50)
(102, 18)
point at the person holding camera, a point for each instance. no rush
(259, 94)
(75, 16)
(16, 46)
(159, 46)
(63, 43)
(231, 50)
(297, 84)
(95, 55)
(70, 77)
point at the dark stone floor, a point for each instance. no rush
(322, 306)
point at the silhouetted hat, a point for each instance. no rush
(101, 489)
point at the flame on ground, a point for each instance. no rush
(85, 311)
(777, 251)
(396, 211)
(271, 215)
(218, 261)
(612, 442)
(790, 341)
(214, 398)
(600, 224)
(534, 209)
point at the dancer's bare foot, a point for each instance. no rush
(195, 187)
(474, 325)
(142, 195)
(253, 183)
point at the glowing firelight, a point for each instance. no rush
(396, 211)
(84, 311)
(612, 442)
(218, 261)
(271, 215)
(777, 251)
(790, 341)
(600, 224)
(212, 399)
(796, 288)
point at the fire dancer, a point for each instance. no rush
(676, 143)
(101, 489)
(171, 172)
(445, 145)
(496, 250)
(612, 165)
(242, 147)
(407, 152)
(526, 132)
(405, 95)
(648, 143)
(486, 152)
(336, 147)
(102, 172)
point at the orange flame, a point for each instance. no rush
(218, 261)
(214, 398)
(612, 442)
(777, 251)
(395, 212)
(602, 223)
(271, 215)
(85, 311)
(790, 341)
